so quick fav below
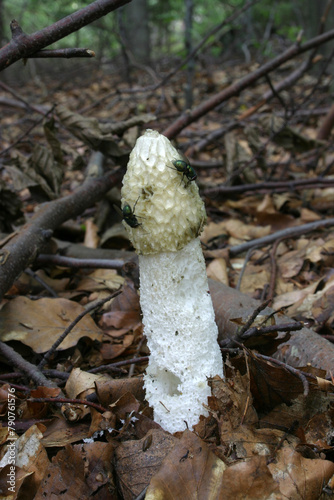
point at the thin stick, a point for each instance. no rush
(102, 368)
(252, 317)
(290, 232)
(70, 401)
(289, 368)
(59, 260)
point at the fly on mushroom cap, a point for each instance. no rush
(185, 168)
(174, 212)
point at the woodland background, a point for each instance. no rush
(245, 90)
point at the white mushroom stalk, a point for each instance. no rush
(177, 309)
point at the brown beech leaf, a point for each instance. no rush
(65, 477)
(39, 323)
(101, 422)
(29, 409)
(111, 391)
(300, 477)
(138, 461)
(251, 480)
(101, 279)
(190, 471)
(124, 311)
(110, 350)
(319, 428)
(125, 405)
(59, 432)
(97, 458)
(80, 383)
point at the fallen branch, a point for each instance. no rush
(290, 232)
(58, 260)
(31, 371)
(191, 116)
(271, 186)
(24, 247)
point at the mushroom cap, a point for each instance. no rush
(166, 204)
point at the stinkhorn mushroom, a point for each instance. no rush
(166, 217)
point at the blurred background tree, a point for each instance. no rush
(153, 32)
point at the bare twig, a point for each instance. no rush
(37, 278)
(104, 368)
(254, 330)
(212, 32)
(22, 46)
(26, 133)
(272, 283)
(132, 366)
(69, 401)
(38, 109)
(242, 272)
(62, 53)
(252, 317)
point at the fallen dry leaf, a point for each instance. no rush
(217, 270)
(189, 471)
(31, 461)
(137, 461)
(65, 477)
(39, 323)
(100, 279)
(300, 477)
(251, 480)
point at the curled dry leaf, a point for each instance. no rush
(81, 383)
(31, 461)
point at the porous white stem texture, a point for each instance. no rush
(177, 310)
(181, 335)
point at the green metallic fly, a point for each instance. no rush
(128, 214)
(183, 166)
